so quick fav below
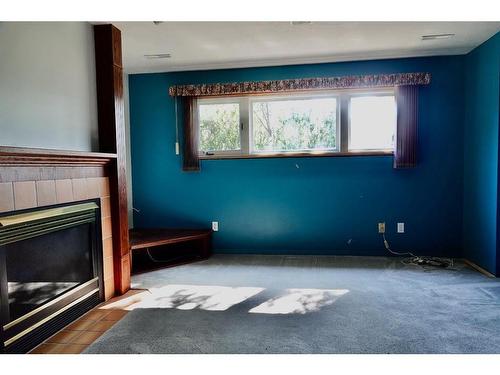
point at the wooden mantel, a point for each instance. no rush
(23, 156)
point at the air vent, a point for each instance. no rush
(299, 23)
(158, 56)
(437, 36)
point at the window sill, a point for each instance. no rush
(297, 155)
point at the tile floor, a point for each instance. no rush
(75, 337)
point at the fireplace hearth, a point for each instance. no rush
(50, 271)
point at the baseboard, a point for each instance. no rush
(478, 268)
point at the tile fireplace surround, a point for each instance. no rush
(23, 187)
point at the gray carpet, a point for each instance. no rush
(310, 304)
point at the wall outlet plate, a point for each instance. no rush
(401, 227)
(381, 227)
(215, 226)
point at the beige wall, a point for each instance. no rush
(47, 85)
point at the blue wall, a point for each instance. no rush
(481, 155)
(306, 205)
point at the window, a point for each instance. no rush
(219, 126)
(316, 123)
(285, 125)
(372, 122)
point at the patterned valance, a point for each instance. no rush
(290, 85)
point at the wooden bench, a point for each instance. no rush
(145, 239)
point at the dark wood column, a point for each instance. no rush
(110, 111)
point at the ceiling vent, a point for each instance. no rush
(299, 23)
(437, 36)
(158, 56)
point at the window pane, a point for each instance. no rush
(373, 123)
(294, 125)
(219, 127)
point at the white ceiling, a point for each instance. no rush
(214, 45)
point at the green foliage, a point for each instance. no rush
(219, 127)
(220, 130)
(296, 132)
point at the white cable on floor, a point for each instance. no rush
(386, 244)
(419, 260)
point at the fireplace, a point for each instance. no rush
(50, 270)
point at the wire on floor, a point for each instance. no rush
(155, 260)
(422, 261)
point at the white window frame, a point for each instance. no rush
(343, 123)
(361, 94)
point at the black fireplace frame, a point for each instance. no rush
(25, 333)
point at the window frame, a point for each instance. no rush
(343, 125)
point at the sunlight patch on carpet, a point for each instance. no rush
(203, 297)
(299, 301)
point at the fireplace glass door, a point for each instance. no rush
(48, 262)
(42, 268)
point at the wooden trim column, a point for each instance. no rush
(110, 112)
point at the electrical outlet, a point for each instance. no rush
(401, 227)
(215, 226)
(381, 227)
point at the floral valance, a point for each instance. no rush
(290, 85)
